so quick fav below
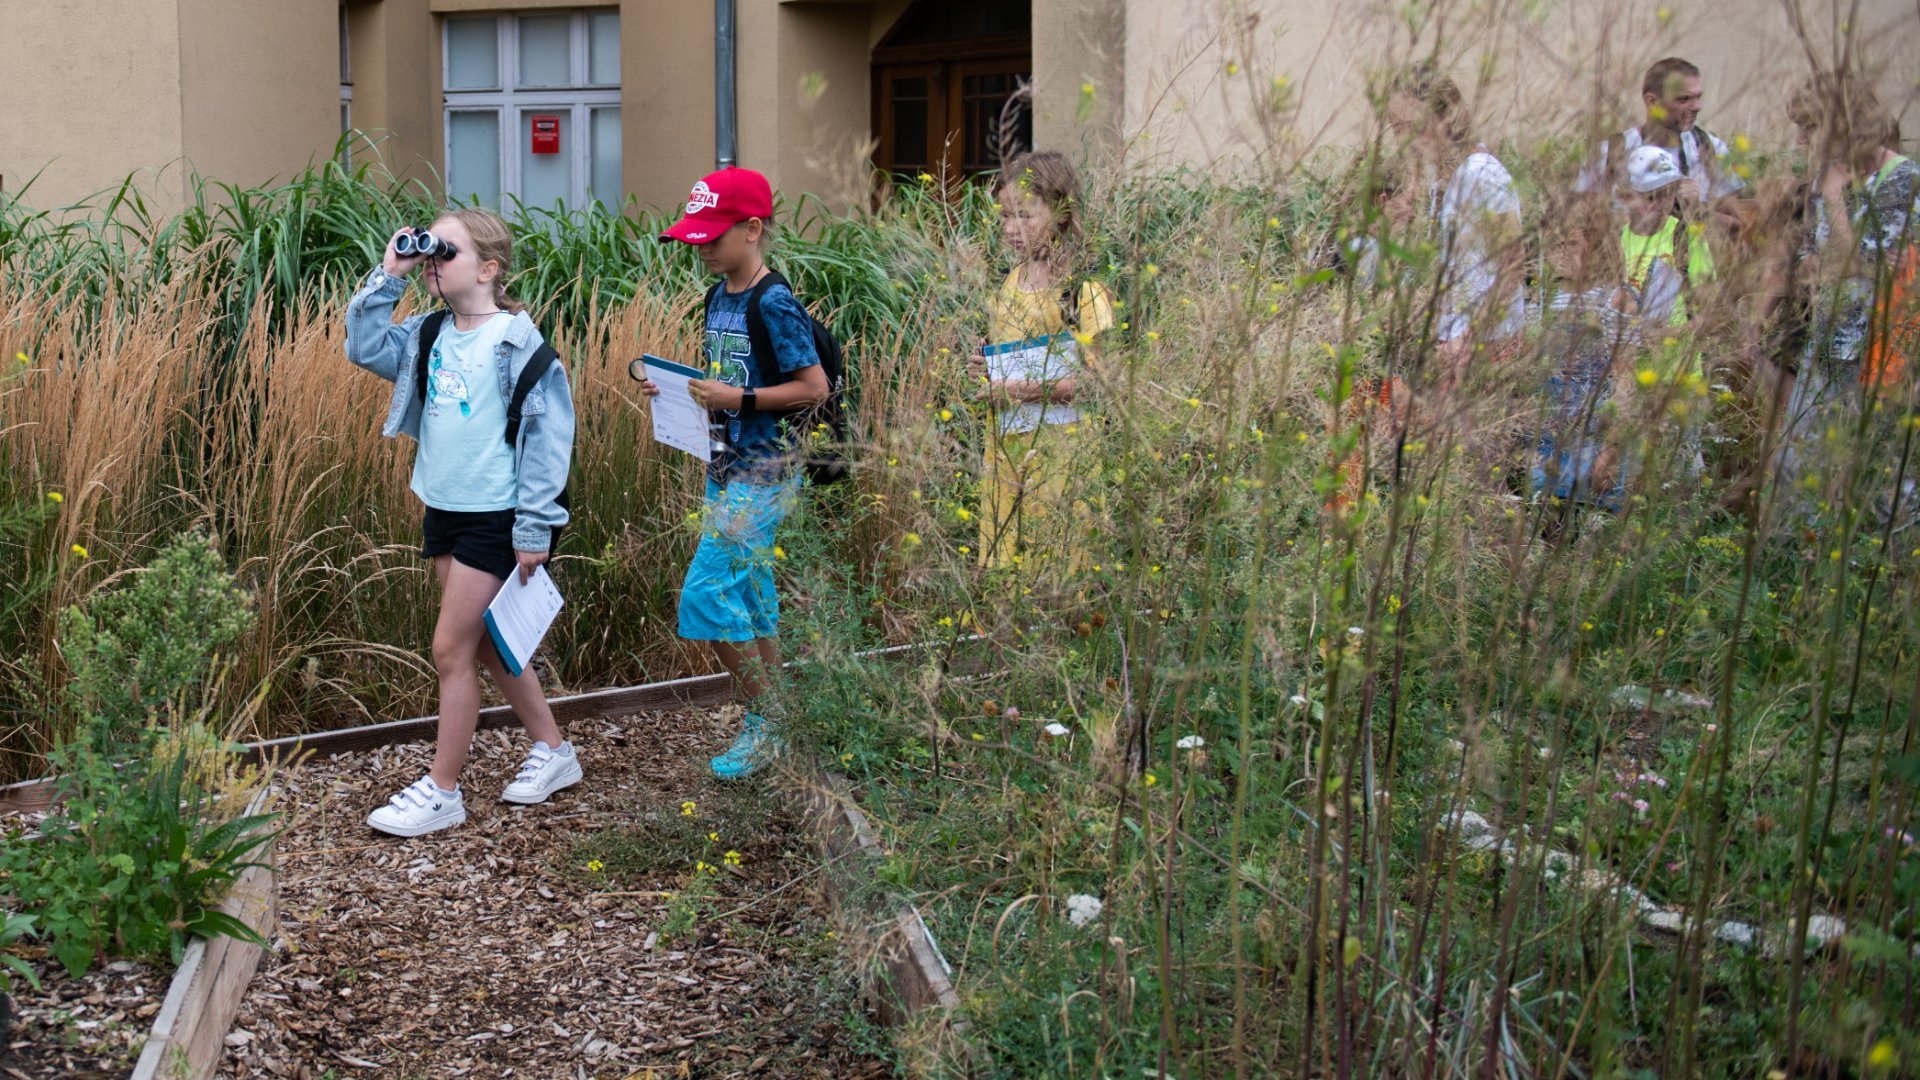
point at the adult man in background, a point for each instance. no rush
(1672, 93)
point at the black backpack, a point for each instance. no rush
(820, 430)
(543, 358)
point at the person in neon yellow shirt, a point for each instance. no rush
(1655, 245)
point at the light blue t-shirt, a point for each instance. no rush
(464, 462)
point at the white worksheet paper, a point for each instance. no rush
(1041, 360)
(520, 615)
(678, 420)
(1047, 359)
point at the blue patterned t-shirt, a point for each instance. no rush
(753, 450)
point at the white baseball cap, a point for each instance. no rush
(1650, 168)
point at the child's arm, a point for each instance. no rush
(374, 340)
(545, 456)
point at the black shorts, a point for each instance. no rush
(480, 539)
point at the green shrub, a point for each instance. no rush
(133, 859)
(134, 650)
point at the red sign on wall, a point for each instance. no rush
(546, 133)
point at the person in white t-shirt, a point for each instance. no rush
(1673, 93)
(1473, 212)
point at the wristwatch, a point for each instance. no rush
(747, 402)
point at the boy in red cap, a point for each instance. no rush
(728, 597)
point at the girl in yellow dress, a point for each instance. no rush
(1047, 315)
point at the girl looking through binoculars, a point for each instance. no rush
(494, 495)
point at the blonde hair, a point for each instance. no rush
(492, 242)
(1847, 111)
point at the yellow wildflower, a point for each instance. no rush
(686, 808)
(78, 550)
(594, 865)
(56, 498)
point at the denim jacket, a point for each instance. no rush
(541, 456)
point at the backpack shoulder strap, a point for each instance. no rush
(543, 358)
(757, 334)
(429, 333)
(1683, 255)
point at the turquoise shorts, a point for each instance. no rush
(728, 594)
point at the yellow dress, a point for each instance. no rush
(1023, 482)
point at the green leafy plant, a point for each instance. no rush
(12, 929)
(135, 856)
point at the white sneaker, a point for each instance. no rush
(545, 771)
(418, 809)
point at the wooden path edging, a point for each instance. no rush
(189, 1033)
(909, 976)
(30, 795)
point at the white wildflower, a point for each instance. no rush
(1083, 909)
(1191, 742)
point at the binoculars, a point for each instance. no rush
(423, 243)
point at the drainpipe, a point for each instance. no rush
(726, 133)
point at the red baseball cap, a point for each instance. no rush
(720, 201)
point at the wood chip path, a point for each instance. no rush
(492, 950)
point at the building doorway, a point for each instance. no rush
(942, 80)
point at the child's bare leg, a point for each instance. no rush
(524, 693)
(747, 665)
(464, 595)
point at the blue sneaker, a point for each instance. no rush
(755, 746)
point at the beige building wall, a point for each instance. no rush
(258, 100)
(395, 47)
(86, 107)
(666, 98)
